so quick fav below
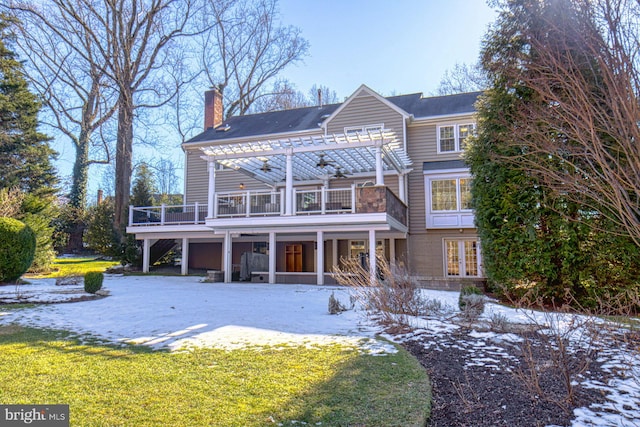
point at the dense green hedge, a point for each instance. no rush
(17, 249)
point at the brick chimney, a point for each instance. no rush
(212, 108)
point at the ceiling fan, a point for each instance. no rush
(322, 162)
(266, 167)
(339, 174)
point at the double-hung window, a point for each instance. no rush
(452, 138)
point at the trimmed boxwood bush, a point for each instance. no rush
(17, 249)
(93, 281)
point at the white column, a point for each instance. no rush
(402, 191)
(289, 183)
(146, 249)
(334, 252)
(226, 257)
(184, 267)
(392, 254)
(272, 257)
(211, 165)
(320, 257)
(379, 169)
(372, 256)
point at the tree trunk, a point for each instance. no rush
(124, 150)
(78, 195)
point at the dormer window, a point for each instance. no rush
(452, 138)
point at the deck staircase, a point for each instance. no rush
(160, 248)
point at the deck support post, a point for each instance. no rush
(226, 256)
(272, 257)
(184, 263)
(146, 249)
(320, 257)
(372, 257)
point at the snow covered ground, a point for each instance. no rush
(178, 312)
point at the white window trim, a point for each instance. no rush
(458, 193)
(460, 218)
(456, 136)
(363, 129)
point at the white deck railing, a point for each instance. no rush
(236, 204)
(248, 203)
(168, 215)
(323, 201)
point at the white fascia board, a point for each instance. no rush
(163, 230)
(296, 222)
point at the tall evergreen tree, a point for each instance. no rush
(535, 238)
(143, 186)
(25, 155)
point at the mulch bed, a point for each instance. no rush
(469, 394)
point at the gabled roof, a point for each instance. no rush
(311, 118)
(368, 91)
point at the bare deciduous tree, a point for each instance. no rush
(462, 78)
(129, 39)
(62, 68)
(246, 50)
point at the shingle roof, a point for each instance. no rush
(437, 105)
(309, 118)
(443, 164)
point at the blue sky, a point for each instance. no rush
(392, 46)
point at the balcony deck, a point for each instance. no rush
(326, 203)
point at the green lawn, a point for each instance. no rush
(109, 385)
(64, 267)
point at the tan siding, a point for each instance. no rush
(420, 143)
(426, 257)
(197, 177)
(366, 110)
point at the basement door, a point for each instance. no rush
(293, 257)
(462, 258)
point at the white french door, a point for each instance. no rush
(462, 258)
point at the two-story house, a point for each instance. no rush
(282, 197)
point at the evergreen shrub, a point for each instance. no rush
(93, 281)
(17, 249)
